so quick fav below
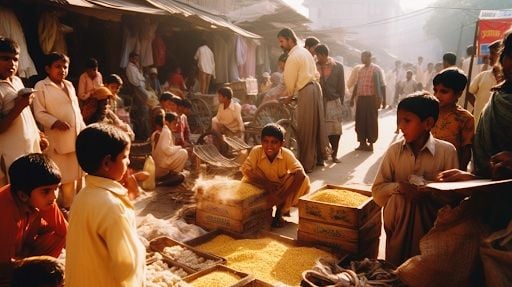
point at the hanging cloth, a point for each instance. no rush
(10, 27)
(51, 33)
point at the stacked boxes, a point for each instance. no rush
(233, 206)
(352, 229)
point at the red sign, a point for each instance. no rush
(490, 31)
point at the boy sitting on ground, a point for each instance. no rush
(275, 169)
(228, 120)
(410, 211)
(31, 223)
(455, 124)
(170, 159)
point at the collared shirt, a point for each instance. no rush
(86, 85)
(481, 87)
(22, 137)
(275, 171)
(29, 232)
(135, 76)
(205, 60)
(366, 80)
(231, 117)
(399, 163)
(456, 126)
(299, 69)
(102, 247)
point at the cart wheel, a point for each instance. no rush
(291, 140)
(270, 112)
(200, 117)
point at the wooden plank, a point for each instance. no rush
(211, 221)
(352, 217)
(234, 212)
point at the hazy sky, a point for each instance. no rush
(409, 5)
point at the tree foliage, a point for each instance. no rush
(453, 22)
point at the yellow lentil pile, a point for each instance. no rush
(339, 197)
(231, 190)
(266, 258)
(216, 279)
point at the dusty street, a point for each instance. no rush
(357, 168)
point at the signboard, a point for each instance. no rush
(492, 24)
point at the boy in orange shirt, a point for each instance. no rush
(455, 124)
(31, 223)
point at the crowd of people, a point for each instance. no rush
(86, 133)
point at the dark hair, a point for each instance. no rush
(166, 96)
(453, 78)
(507, 45)
(177, 100)
(422, 104)
(470, 50)
(169, 116)
(185, 103)
(133, 54)
(8, 45)
(96, 142)
(310, 42)
(38, 271)
(31, 171)
(283, 57)
(450, 58)
(273, 130)
(158, 117)
(288, 34)
(113, 79)
(226, 92)
(54, 57)
(91, 63)
(322, 50)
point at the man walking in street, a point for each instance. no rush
(301, 78)
(369, 91)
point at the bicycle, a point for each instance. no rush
(282, 113)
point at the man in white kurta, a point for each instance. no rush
(206, 64)
(301, 79)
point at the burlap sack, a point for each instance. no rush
(496, 253)
(449, 252)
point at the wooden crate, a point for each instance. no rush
(351, 217)
(248, 202)
(233, 212)
(353, 241)
(244, 277)
(257, 283)
(254, 223)
(158, 245)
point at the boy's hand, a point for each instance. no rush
(43, 142)
(501, 165)
(454, 175)
(412, 193)
(60, 125)
(129, 181)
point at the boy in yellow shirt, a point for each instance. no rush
(275, 169)
(102, 247)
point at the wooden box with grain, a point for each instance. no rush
(329, 213)
(234, 212)
(170, 264)
(250, 224)
(209, 277)
(159, 245)
(358, 241)
(231, 193)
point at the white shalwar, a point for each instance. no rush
(168, 156)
